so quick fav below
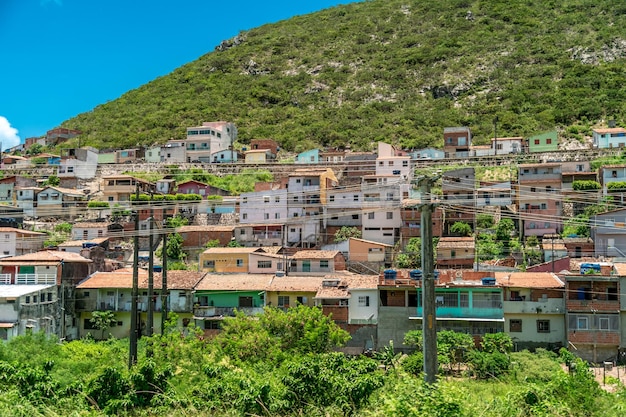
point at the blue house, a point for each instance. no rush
(308, 157)
(428, 153)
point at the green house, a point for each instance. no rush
(544, 142)
(469, 308)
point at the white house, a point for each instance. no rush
(609, 138)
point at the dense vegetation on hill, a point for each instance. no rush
(393, 70)
(282, 364)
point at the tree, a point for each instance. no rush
(53, 181)
(174, 248)
(484, 221)
(214, 243)
(347, 232)
(412, 254)
(461, 229)
(102, 320)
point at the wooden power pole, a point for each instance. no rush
(132, 353)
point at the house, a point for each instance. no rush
(77, 246)
(543, 142)
(609, 138)
(165, 186)
(263, 206)
(9, 185)
(351, 301)
(259, 234)
(456, 252)
(397, 304)
(203, 141)
(227, 260)
(284, 291)
(391, 161)
(613, 181)
(218, 296)
(196, 237)
(89, 230)
(316, 262)
(428, 153)
(60, 202)
(60, 135)
(553, 248)
(81, 163)
(458, 197)
(412, 221)
(128, 156)
(332, 156)
(153, 154)
(267, 263)
(174, 152)
(15, 241)
(258, 156)
(382, 224)
(498, 194)
(481, 150)
(505, 146)
(534, 309)
(119, 188)
(311, 156)
(226, 156)
(344, 208)
(369, 252)
(200, 188)
(270, 144)
(593, 313)
(62, 269)
(578, 247)
(457, 141)
(575, 172)
(26, 199)
(539, 198)
(359, 164)
(608, 231)
(112, 291)
(28, 308)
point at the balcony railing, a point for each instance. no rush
(29, 279)
(5, 279)
(551, 305)
(210, 311)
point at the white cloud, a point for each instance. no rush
(8, 134)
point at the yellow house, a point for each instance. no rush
(258, 156)
(231, 260)
(288, 291)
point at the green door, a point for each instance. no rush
(306, 266)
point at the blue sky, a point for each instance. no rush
(61, 58)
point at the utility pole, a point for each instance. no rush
(164, 280)
(495, 135)
(429, 313)
(150, 324)
(132, 357)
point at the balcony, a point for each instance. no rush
(599, 337)
(547, 306)
(211, 311)
(593, 305)
(5, 279)
(493, 312)
(30, 279)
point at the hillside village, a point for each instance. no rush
(335, 229)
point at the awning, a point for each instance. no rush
(214, 318)
(6, 325)
(29, 263)
(460, 319)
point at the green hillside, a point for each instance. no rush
(393, 70)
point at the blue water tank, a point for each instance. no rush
(488, 281)
(415, 274)
(157, 268)
(390, 274)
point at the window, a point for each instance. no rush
(603, 323)
(543, 326)
(277, 215)
(331, 198)
(302, 300)
(27, 299)
(405, 163)
(611, 294)
(381, 163)
(364, 301)
(324, 264)
(244, 216)
(536, 141)
(515, 326)
(264, 264)
(614, 174)
(582, 323)
(355, 217)
(544, 206)
(295, 198)
(266, 216)
(355, 197)
(239, 263)
(390, 215)
(370, 216)
(244, 200)
(283, 301)
(298, 181)
(209, 264)
(266, 199)
(548, 141)
(49, 296)
(88, 325)
(277, 199)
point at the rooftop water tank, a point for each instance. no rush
(390, 274)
